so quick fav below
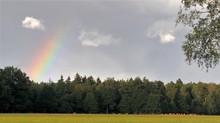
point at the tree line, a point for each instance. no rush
(88, 95)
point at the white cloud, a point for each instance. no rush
(163, 29)
(167, 38)
(95, 39)
(32, 23)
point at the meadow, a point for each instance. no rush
(104, 118)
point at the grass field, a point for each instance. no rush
(112, 118)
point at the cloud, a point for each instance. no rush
(167, 38)
(95, 39)
(32, 23)
(168, 6)
(163, 29)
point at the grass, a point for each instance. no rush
(102, 118)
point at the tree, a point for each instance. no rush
(213, 99)
(34, 91)
(98, 80)
(77, 79)
(162, 106)
(109, 96)
(66, 104)
(200, 93)
(14, 90)
(153, 104)
(138, 95)
(60, 87)
(125, 105)
(170, 93)
(90, 103)
(187, 97)
(69, 86)
(202, 43)
(217, 100)
(47, 100)
(85, 95)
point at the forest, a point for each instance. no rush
(82, 94)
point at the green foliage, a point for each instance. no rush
(46, 101)
(66, 104)
(90, 103)
(14, 90)
(85, 95)
(125, 104)
(202, 43)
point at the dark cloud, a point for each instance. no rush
(126, 38)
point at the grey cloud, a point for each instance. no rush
(138, 54)
(96, 39)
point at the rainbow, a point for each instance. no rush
(46, 56)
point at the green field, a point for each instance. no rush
(111, 118)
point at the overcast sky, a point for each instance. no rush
(103, 38)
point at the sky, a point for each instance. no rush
(101, 38)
